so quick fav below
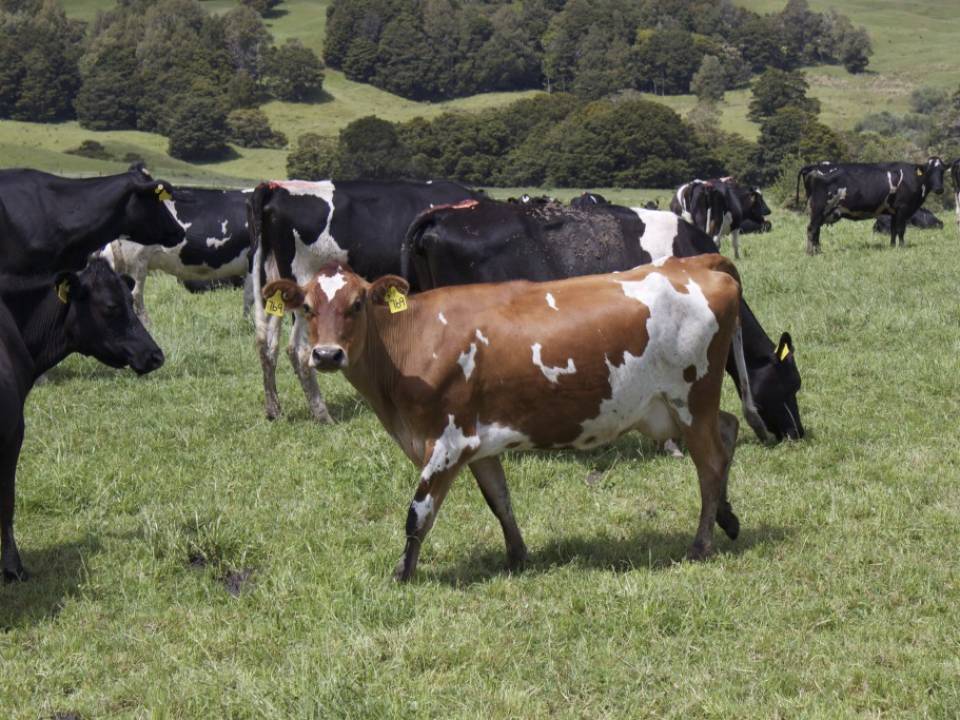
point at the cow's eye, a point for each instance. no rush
(307, 310)
(357, 304)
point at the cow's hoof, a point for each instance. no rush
(323, 418)
(400, 572)
(728, 522)
(698, 551)
(18, 575)
(272, 412)
(517, 560)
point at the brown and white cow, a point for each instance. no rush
(464, 373)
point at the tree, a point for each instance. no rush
(294, 72)
(370, 148)
(792, 132)
(709, 82)
(776, 89)
(247, 40)
(250, 128)
(855, 50)
(107, 99)
(315, 158)
(198, 128)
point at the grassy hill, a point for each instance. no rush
(913, 42)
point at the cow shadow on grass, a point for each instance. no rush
(56, 573)
(341, 408)
(652, 550)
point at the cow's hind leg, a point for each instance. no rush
(729, 430)
(268, 347)
(13, 569)
(420, 517)
(297, 350)
(735, 239)
(709, 454)
(493, 484)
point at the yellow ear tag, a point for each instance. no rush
(63, 291)
(919, 172)
(396, 300)
(275, 305)
(784, 353)
(162, 193)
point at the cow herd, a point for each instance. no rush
(470, 326)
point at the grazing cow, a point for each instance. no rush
(458, 375)
(859, 191)
(50, 223)
(720, 206)
(298, 227)
(216, 244)
(490, 241)
(42, 320)
(922, 219)
(587, 199)
(955, 176)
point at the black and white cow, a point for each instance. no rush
(50, 223)
(42, 321)
(922, 219)
(489, 241)
(588, 198)
(297, 227)
(216, 244)
(861, 191)
(749, 226)
(955, 176)
(719, 206)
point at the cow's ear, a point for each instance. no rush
(381, 286)
(159, 189)
(69, 287)
(785, 347)
(291, 294)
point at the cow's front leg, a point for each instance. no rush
(813, 236)
(13, 569)
(268, 347)
(493, 484)
(420, 517)
(298, 352)
(735, 239)
(707, 449)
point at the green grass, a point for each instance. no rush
(838, 600)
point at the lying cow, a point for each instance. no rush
(860, 191)
(752, 226)
(297, 227)
(216, 244)
(461, 374)
(49, 223)
(490, 241)
(719, 206)
(42, 321)
(922, 218)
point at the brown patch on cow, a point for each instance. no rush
(690, 373)
(236, 581)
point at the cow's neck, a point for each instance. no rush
(99, 220)
(41, 320)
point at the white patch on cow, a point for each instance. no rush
(331, 284)
(482, 338)
(495, 438)
(422, 509)
(552, 302)
(551, 373)
(441, 318)
(448, 449)
(308, 259)
(320, 188)
(649, 390)
(223, 227)
(172, 208)
(660, 230)
(467, 361)
(661, 261)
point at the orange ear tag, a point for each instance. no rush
(275, 305)
(396, 301)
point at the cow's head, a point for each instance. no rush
(934, 175)
(149, 217)
(100, 320)
(774, 387)
(337, 305)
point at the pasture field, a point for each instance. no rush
(193, 560)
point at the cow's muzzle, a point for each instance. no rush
(328, 358)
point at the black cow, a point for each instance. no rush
(860, 191)
(42, 320)
(216, 245)
(752, 226)
(50, 223)
(489, 241)
(719, 206)
(922, 218)
(298, 227)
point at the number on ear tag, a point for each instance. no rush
(162, 193)
(275, 305)
(396, 300)
(63, 291)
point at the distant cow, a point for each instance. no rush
(922, 218)
(860, 191)
(751, 226)
(588, 198)
(955, 176)
(490, 241)
(459, 375)
(719, 206)
(297, 227)
(216, 244)
(50, 223)
(42, 321)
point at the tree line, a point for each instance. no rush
(439, 49)
(164, 66)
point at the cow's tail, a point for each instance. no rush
(800, 176)
(255, 205)
(413, 243)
